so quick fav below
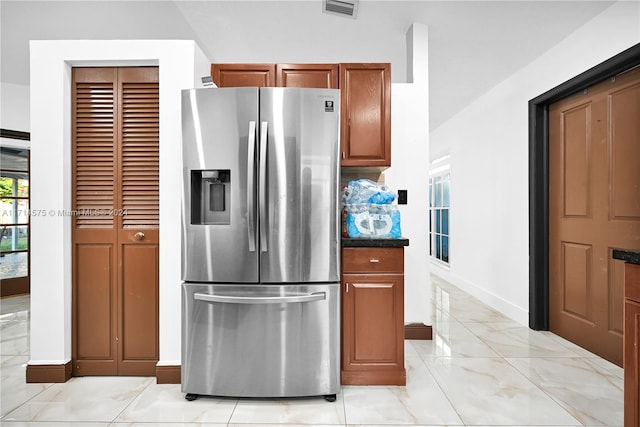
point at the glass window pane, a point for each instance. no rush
(445, 249)
(14, 238)
(23, 187)
(439, 204)
(23, 211)
(14, 265)
(6, 186)
(438, 200)
(14, 159)
(14, 211)
(445, 221)
(445, 191)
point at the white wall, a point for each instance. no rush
(488, 142)
(181, 64)
(409, 171)
(14, 107)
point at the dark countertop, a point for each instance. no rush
(376, 243)
(628, 255)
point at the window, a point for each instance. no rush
(439, 209)
(14, 217)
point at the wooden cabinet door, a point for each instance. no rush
(243, 75)
(366, 114)
(373, 329)
(307, 75)
(631, 345)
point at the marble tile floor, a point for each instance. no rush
(481, 369)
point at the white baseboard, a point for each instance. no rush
(512, 311)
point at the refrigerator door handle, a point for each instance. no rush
(251, 207)
(229, 299)
(263, 187)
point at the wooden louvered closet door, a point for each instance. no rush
(115, 220)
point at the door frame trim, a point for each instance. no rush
(539, 176)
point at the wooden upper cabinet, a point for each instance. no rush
(281, 75)
(366, 114)
(307, 75)
(365, 100)
(243, 75)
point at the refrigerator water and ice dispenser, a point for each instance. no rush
(210, 196)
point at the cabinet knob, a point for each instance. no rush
(139, 235)
(374, 260)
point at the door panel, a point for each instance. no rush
(307, 75)
(220, 137)
(372, 313)
(300, 231)
(235, 342)
(96, 334)
(594, 206)
(577, 280)
(577, 165)
(244, 75)
(365, 128)
(139, 307)
(625, 110)
(139, 148)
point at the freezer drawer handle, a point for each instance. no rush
(316, 296)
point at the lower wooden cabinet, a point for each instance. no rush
(631, 345)
(373, 316)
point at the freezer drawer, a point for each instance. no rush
(260, 340)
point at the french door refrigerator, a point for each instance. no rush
(260, 242)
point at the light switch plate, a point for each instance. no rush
(402, 197)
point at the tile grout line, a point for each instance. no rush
(444, 393)
(130, 402)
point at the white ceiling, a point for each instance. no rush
(473, 45)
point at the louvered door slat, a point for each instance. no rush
(140, 155)
(94, 155)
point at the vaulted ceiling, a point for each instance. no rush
(473, 45)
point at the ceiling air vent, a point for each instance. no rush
(341, 7)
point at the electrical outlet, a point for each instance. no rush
(402, 197)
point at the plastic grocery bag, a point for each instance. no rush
(371, 221)
(367, 191)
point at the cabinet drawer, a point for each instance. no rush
(373, 260)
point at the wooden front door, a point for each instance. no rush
(594, 206)
(115, 220)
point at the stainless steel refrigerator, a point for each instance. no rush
(260, 242)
